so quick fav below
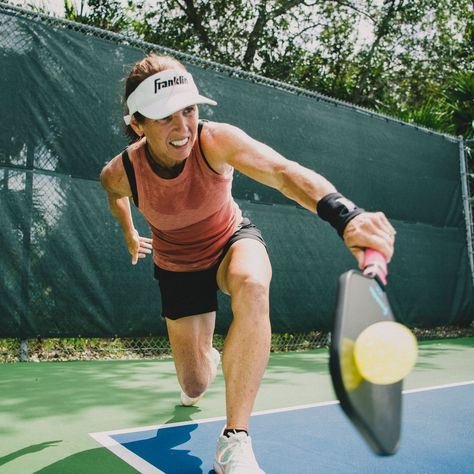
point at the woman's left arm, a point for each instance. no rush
(226, 144)
(232, 146)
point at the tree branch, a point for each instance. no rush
(356, 9)
(285, 7)
(381, 31)
(195, 20)
(255, 35)
(304, 30)
(262, 20)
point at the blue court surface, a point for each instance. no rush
(437, 437)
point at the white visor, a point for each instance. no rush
(163, 94)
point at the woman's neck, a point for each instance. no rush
(162, 170)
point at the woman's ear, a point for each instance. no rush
(136, 126)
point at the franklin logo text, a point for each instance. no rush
(176, 81)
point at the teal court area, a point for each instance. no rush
(123, 417)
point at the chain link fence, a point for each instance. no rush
(38, 350)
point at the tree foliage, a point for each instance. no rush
(411, 59)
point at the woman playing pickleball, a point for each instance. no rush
(178, 171)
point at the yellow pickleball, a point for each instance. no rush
(350, 375)
(385, 352)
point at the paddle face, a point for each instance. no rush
(375, 410)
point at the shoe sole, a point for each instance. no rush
(217, 469)
(192, 401)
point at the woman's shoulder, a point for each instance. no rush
(213, 142)
(135, 148)
(217, 130)
(220, 137)
(113, 176)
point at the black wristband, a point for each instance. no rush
(338, 211)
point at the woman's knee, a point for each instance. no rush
(246, 267)
(250, 291)
(193, 373)
(194, 385)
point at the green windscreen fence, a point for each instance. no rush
(65, 270)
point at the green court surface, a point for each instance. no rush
(47, 410)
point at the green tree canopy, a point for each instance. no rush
(413, 59)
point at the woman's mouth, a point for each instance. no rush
(180, 143)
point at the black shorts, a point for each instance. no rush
(189, 293)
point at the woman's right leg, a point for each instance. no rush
(191, 343)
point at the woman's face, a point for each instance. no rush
(171, 139)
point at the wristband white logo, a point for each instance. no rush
(349, 204)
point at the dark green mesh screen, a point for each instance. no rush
(65, 270)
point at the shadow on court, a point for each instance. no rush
(434, 355)
(67, 388)
(34, 448)
(315, 361)
(92, 461)
(161, 449)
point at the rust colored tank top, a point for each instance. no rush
(191, 216)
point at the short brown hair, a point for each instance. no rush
(140, 71)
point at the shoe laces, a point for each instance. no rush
(239, 449)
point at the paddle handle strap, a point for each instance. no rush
(375, 265)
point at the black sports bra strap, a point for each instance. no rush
(200, 125)
(202, 122)
(127, 164)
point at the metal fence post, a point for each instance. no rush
(467, 203)
(24, 350)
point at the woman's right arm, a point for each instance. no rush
(115, 182)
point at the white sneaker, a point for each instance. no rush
(188, 401)
(234, 455)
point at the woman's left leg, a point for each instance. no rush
(245, 274)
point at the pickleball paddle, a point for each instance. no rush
(370, 354)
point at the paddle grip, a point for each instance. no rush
(375, 265)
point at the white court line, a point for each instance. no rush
(267, 412)
(438, 387)
(105, 438)
(125, 454)
(206, 420)
(336, 402)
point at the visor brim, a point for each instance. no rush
(160, 109)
